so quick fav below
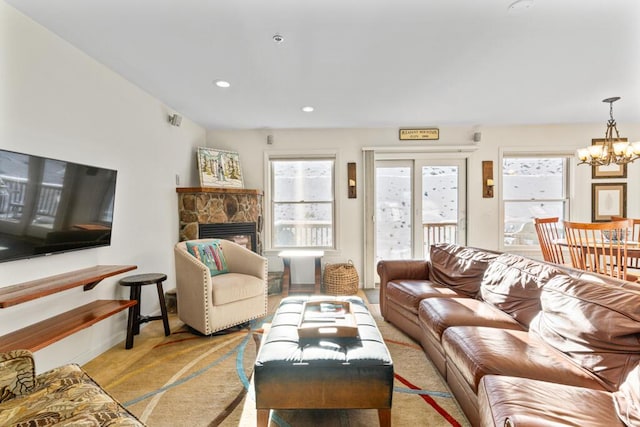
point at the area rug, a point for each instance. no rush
(194, 380)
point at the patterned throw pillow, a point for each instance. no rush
(210, 254)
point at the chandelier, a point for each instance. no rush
(612, 149)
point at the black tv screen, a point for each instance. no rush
(49, 206)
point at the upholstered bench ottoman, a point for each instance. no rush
(326, 373)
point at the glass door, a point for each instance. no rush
(418, 203)
(394, 209)
(441, 198)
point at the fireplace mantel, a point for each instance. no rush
(213, 205)
(222, 190)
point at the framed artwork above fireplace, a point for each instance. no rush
(219, 168)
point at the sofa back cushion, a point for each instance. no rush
(597, 325)
(513, 284)
(459, 267)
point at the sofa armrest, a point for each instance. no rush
(400, 269)
(17, 374)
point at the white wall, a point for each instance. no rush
(57, 102)
(483, 214)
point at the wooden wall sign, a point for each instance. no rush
(419, 134)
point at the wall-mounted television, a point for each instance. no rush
(49, 206)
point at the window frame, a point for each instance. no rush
(519, 152)
(271, 156)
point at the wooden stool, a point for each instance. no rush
(135, 319)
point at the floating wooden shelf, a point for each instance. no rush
(46, 332)
(87, 277)
(41, 334)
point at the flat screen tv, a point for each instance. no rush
(49, 206)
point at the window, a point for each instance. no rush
(302, 205)
(532, 187)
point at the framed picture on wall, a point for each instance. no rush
(609, 171)
(219, 168)
(607, 200)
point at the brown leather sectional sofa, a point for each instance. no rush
(520, 341)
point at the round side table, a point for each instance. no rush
(136, 282)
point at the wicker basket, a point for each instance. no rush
(340, 279)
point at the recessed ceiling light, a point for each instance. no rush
(278, 38)
(520, 6)
(222, 83)
(307, 109)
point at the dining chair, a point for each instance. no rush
(632, 262)
(548, 236)
(595, 247)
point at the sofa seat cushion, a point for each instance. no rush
(513, 284)
(512, 401)
(65, 396)
(232, 287)
(596, 325)
(437, 314)
(409, 293)
(459, 267)
(476, 351)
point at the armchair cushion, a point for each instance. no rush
(231, 287)
(210, 254)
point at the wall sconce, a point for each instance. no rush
(175, 120)
(351, 180)
(487, 179)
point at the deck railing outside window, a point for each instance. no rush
(439, 232)
(312, 234)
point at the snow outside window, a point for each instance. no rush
(302, 203)
(532, 187)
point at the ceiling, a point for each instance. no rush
(365, 63)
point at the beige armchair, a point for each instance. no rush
(209, 304)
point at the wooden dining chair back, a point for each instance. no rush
(599, 247)
(548, 236)
(633, 262)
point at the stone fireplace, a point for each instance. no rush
(232, 213)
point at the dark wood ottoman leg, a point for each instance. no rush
(263, 417)
(384, 416)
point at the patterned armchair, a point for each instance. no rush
(64, 396)
(212, 302)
